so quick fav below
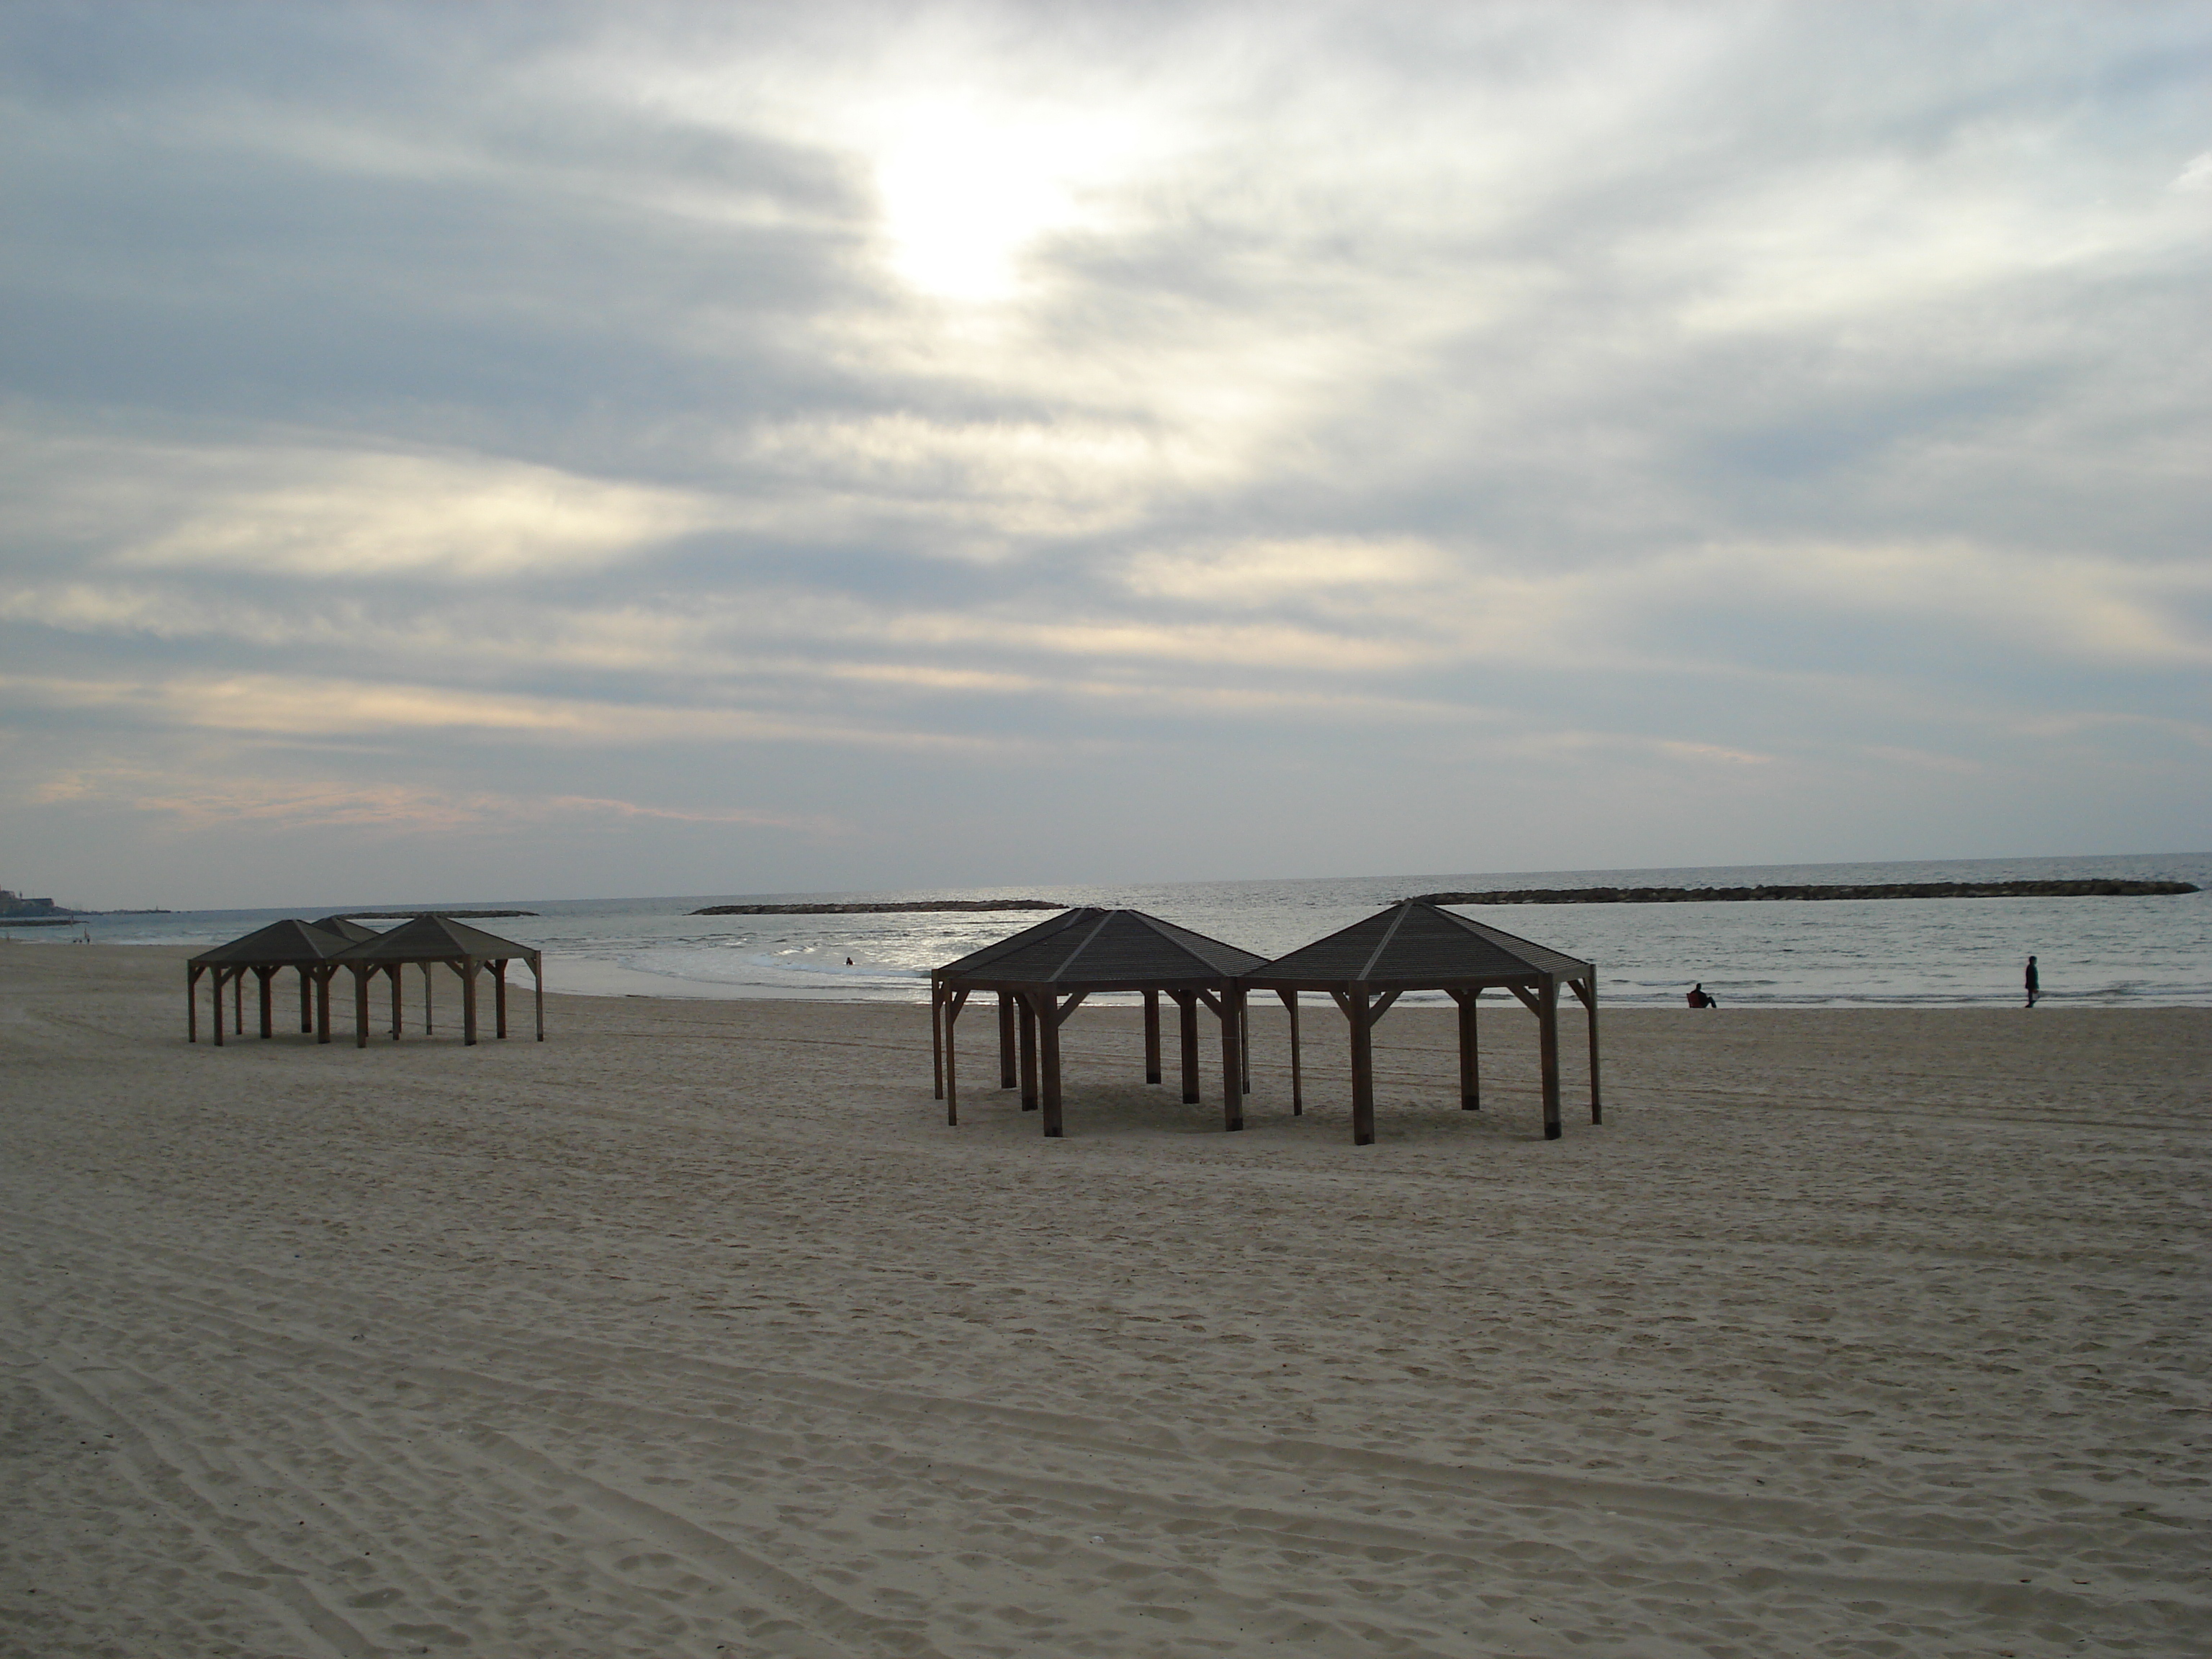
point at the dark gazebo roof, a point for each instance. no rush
(318, 951)
(1042, 973)
(282, 943)
(1098, 950)
(438, 938)
(1416, 945)
(345, 928)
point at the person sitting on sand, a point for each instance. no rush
(1698, 998)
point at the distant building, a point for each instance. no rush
(13, 905)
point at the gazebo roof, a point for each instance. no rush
(281, 944)
(1099, 949)
(437, 938)
(346, 928)
(1416, 945)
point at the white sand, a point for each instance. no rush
(694, 1331)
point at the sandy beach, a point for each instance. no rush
(694, 1330)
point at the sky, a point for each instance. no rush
(575, 451)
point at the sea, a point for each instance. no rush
(2093, 953)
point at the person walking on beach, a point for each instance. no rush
(2034, 985)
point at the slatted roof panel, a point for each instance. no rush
(1230, 958)
(345, 928)
(1418, 944)
(282, 944)
(1095, 946)
(436, 939)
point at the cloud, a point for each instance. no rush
(265, 804)
(1268, 574)
(998, 479)
(319, 514)
(308, 708)
(789, 412)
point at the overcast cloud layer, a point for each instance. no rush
(468, 451)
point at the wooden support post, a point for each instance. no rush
(1026, 1018)
(1244, 1037)
(1047, 1018)
(1587, 990)
(399, 996)
(268, 1002)
(1297, 1077)
(1357, 1008)
(1187, 1004)
(1547, 1017)
(360, 1007)
(1152, 1036)
(1007, 1076)
(1232, 1062)
(323, 978)
(499, 997)
(468, 1002)
(955, 1000)
(307, 1003)
(1470, 1051)
(192, 1002)
(936, 1038)
(537, 989)
(214, 1004)
(238, 1002)
(428, 979)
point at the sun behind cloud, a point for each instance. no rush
(968, 185)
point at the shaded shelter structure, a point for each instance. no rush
(268, 951)
(428, 941)
(1042, 973)
(1418, 946)
(355, 932)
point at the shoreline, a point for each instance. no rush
(594, 977)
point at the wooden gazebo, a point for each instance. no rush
(1417, 946)
(1042, 973)
(354, 934)
(428, 940)
(264, 954)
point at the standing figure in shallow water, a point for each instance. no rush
(2034, 984)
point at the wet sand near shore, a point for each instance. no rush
(694, 1330)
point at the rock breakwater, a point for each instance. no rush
(1903, 889)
